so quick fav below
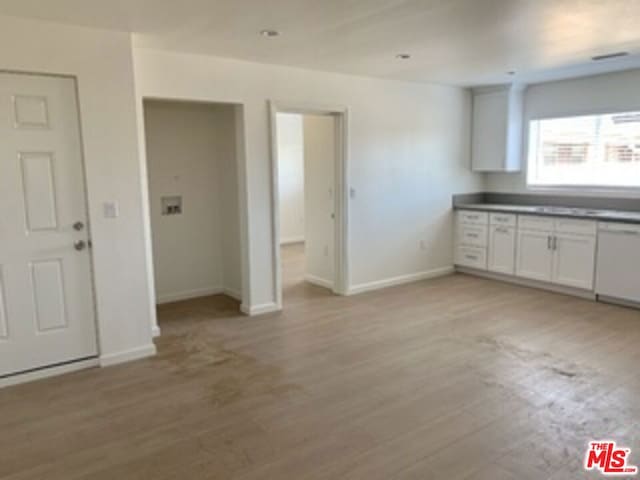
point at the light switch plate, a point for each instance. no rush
(111, 209)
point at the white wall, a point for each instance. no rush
(102, 63)
(408, 153)
(191, 153)
(597, 94)
(291, 177)
(319, 194)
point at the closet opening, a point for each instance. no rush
(192, 151)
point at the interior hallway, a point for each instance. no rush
(294, 287)
(453, 378)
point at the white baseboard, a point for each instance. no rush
(291, 240)
(196, 293)
(401, 280)
(155, 331)
(48, 372)
(187, 294)
(253, 310)
(235, 294)
(320, 282)
(127, 356)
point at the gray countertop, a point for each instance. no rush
(622, 216)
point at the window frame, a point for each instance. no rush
(572, 188)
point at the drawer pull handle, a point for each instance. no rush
(472, 235)
(471, 257)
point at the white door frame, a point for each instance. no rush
(341, 230)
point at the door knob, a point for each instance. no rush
(80, 245)
(78, 226)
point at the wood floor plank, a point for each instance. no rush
(451, 378)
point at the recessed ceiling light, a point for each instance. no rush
(511, 72)
(403, 56)
(270, 33)
(597, 58)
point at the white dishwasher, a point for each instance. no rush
(618, 263)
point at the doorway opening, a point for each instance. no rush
(193, 175)
(309, 181)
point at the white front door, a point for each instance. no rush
(46, 294)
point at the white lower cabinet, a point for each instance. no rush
(574, 260)
(471, 257)
(566, 259)
(471, 239)
(502, 249)
(546, 249)
(534, 257)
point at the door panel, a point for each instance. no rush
(49, 295)
(30, 111)
(39, 191)
(574, 261)
(534, 257)
(46, 293)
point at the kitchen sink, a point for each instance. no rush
(571, 211)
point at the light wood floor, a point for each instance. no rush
(454, 378)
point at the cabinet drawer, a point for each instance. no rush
(579, 227)
(505, 219)
(473, 217)
(533, 222)
(472, 235)
(471, 257)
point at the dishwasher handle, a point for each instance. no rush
(619, 228)
(621, 232)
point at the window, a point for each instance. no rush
(585, 151)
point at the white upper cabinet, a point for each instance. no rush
(497, 129)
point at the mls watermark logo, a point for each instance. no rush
(609, 459)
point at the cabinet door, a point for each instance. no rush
(534, 258)
(502, 250)
(574, 260)
(489, 131)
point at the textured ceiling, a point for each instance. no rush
(462, 42)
